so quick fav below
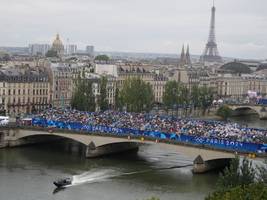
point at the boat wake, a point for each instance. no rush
(94, 176)
(100, 175)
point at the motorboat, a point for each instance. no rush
(63, 182)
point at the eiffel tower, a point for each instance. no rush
(211, 53)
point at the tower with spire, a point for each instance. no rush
(187, 56)
(211, 53)
(185, 59)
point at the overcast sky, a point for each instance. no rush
(160, 26)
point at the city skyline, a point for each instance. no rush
(138, 26)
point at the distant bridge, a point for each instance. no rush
(243, 109)
(205, 159)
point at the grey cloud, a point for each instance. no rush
(138, 25)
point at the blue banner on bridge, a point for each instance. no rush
(193, 140)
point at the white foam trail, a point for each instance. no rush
(93, 176)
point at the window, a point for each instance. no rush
(14, 91)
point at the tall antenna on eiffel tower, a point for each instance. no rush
(211, 53)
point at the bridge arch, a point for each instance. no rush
(45, 138)
(100, 145)
(246, 109)
(95, 145)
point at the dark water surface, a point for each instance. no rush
(27, 173)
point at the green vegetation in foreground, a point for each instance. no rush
(241, 182)
(153, 198)
(255, 191)
(225, 112)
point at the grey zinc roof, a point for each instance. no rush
(16, 75)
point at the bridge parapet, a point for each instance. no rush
(101, 144)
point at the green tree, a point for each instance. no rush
(183, 95)
(83, 98)
(255, 191)
(262, 173)
(170, 94)
(239, 182)
(175, 93)
(118, 104)
(205, 98)
(102, 58)
(103, 101)
(51, 53)
(136, 95)
(178, 93)
(195, 95)
(229, 178)
(153, 198)
(225, 112)
(247, 173)
(236, 175)
(4, 57)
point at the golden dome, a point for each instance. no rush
(58, 45)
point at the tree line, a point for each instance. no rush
(178, 94)
(84, 98)
(137, 95)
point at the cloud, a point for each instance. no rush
(139, 25)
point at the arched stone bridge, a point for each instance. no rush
(246, 109)
(98, 145)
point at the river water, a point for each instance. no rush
(27, 173)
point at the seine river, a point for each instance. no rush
(27, 173)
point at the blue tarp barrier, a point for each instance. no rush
(194, 140)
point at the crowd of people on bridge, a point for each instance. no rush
(165, 124)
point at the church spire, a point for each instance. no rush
(182, 57)
(182, 54)
(188, 59)
(185, 57)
